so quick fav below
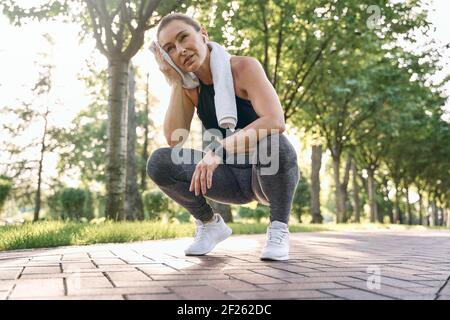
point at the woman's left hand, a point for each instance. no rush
(202, 177)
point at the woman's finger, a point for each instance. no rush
(197, 185)
(203, 180)
(191, 187)
(209, 178)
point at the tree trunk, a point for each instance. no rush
(390, 211)
(396, 206)
(356, 202)
(316, 163)
(145, 154)
(344, 188)
(447, 214)
(133, 208)
(371, 194)
(117, 137)
(434, 213)
(421, 219)
(37, 202)
(340, 197)
(408, 206)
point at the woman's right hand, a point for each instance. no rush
(172, 76)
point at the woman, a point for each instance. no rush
(258, 110)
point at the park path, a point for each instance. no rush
(323, 265)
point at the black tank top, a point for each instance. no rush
(206, 110)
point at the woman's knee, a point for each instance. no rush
(158, 165)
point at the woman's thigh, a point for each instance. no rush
(230, 184)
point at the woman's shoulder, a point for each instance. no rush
(239, 65)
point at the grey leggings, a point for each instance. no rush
(232, 183)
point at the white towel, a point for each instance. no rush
(224, 97)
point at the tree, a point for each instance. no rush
(34, 114)
(133, 202)
(118, 28)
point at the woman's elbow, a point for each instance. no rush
(280, 126)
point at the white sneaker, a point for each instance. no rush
(208, 235)
(277, 244)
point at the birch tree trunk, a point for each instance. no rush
(133, 208)
(37, 202)
(145, 153)
(117, 137)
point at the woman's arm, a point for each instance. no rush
(267, 105)
(179, 114)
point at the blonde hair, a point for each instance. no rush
(177, 16)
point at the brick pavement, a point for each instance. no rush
(323, 265)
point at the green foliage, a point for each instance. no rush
(155, 203)
(5, 188)
(55, 209)
(260, 212)
(76, 204)
(302, 198)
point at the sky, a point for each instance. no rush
(20, 48)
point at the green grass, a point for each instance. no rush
(57, 233)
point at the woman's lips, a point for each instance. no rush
(189, 60)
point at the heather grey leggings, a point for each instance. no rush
(232, 183)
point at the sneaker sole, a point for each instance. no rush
(284, 258)
(224, 237)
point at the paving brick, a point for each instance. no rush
(278, 295)
(114, 291)
(60, 275)
(257, 278)
(276, 273)
(229, 285)
(77, 266)
(165, 296)
(128, 276)
(79, 282)
(109, 262)
(190, 277)
(9, 274)
(41, 270)
(200, 293)
(302, 286)
(355, 294)
(6, 285)
(161, 283)
(38, 288)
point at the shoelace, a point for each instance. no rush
(200, 233)
(276, 236)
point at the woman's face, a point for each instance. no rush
(186, 47)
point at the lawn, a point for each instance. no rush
(58, 233)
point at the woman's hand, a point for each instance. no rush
(202, 177)
(172, 76)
